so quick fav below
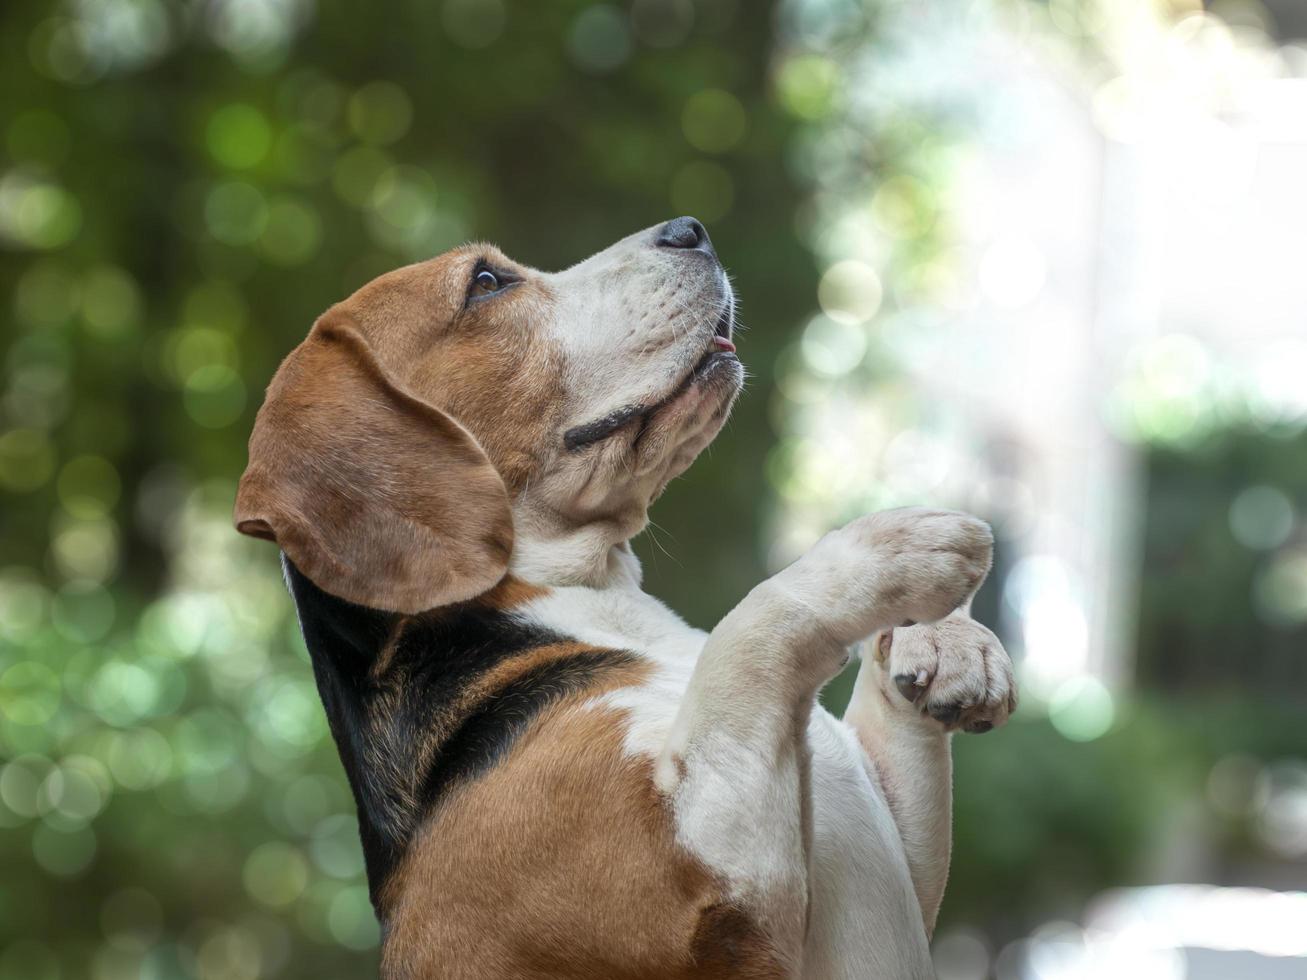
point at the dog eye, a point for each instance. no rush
(486, 281)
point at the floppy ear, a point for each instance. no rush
(375, 495)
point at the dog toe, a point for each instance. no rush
(946, 714)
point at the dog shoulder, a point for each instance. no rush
(563, 861)
(509, 818)
(419, 704)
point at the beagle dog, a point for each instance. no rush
(556, 777)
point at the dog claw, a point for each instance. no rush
(908, 687)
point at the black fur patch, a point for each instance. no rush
(402, 737)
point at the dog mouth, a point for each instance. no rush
(721, 351)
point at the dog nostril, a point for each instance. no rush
(684, 233)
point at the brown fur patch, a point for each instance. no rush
(486, 363)
(391, 441)
(562, 863)
(376, 495)
(404, 762)
(387, 653)
(485, 687)
(512, 592)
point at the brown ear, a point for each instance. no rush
(375, 495)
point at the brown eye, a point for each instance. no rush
(486, 281)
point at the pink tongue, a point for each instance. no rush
(724, 344)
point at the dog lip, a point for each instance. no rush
(714, 356)
(578, 437)
(701, 369)
(708, 360)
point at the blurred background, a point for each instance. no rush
(1039, 260)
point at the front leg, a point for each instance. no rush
(735, 765)
(915, 687)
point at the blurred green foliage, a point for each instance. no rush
(1224, 607)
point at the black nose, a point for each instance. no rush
(685, 233)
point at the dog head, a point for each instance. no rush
(396, 443)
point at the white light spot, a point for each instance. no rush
(1012, 272)
(1261, 517)
(850, 292)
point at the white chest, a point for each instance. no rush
(862, 907)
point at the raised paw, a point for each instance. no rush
(955, 672)
(927, 562)
(910, 565)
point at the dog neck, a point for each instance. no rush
(549, 550)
